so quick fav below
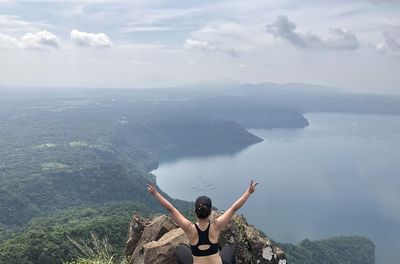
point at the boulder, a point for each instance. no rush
(142, 231)
(162, 250)
(136, 227)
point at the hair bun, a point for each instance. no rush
(203, 207)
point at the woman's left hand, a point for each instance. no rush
(151, 188)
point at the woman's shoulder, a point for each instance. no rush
(214, 226)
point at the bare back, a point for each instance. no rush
(213, 237)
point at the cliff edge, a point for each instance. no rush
(154, 241)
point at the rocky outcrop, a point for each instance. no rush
(154, 241)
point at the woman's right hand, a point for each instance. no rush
(252, 187)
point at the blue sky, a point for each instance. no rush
(354, 45)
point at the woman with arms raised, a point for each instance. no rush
(203, 235)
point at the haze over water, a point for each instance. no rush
(339, 176)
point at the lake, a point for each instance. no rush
(338, 176)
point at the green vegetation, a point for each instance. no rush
(336, 250)
(54, 157)
(46, 239)
(100, 252)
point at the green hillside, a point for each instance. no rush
(45, 240)
(336, 250)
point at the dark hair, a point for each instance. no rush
(203, 207)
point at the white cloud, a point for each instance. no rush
(8, 42)
(233, 38)
(338, 39)
(221, 36)
(194, 44)
(390, 44)
(40, 40)
(205, 46)
(99, 40)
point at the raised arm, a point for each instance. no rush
(224, 219)
(175, 214)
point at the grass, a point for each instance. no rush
(97, 253)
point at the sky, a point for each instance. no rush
(353, 45)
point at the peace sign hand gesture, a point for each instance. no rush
(252, 187)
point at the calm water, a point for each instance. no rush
(339, 176)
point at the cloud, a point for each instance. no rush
(10, 23)
(194, 44)
(232, 52)
(390, 44)
(205, 46)
(40, 40)
(341, 39)
(338, 39)
(8, 42)
(99, 40)
(224, 36)
(13, 23)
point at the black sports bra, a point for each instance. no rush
(204, 240)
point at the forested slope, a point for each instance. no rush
(336, 250)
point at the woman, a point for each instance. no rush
(203, 236)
